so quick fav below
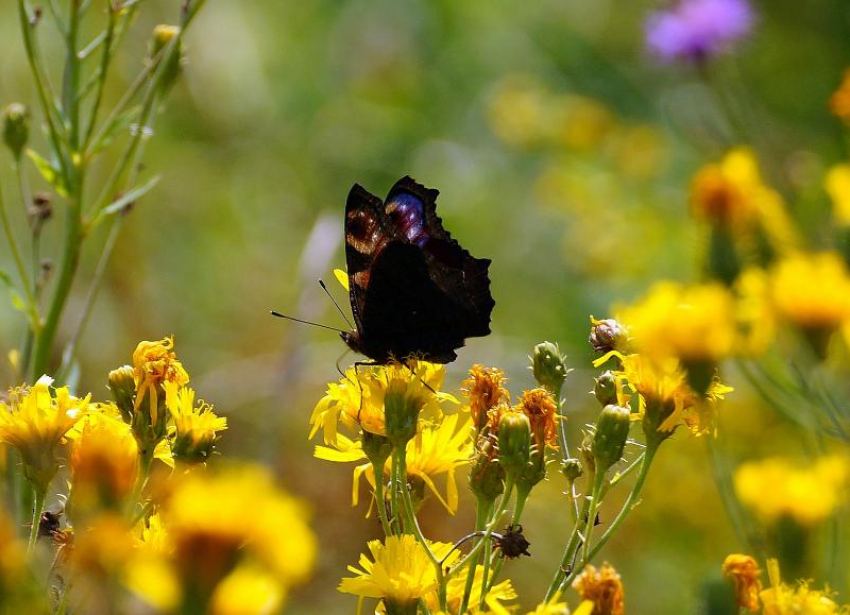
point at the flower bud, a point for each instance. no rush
(572, 469)
(514, 442)
(163, 34)
(607, 335)
(486, 476)
(612, 430)
(122, 383)
(16, 119)
(548, 366)
(605, 389)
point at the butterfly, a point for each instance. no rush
(414, 291)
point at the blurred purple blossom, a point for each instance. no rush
(697, 29)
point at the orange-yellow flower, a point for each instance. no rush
(154, 363)
(542, 411)
(746, 576)
(603, 587)
(485, 389)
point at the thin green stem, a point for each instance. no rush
(571, 548)
(71, 81)
(395, 509)
(39, 495)
(483, 509)
(631, 502)
(499, 559)
(19, 264)
(105, 61)
(591, 516)
(380, 499)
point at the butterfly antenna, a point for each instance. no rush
(306, 322)
(338, 309)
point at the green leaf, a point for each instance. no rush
(128, 197)
(49, 172)
(18, 302)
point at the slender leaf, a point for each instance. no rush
(49, 172)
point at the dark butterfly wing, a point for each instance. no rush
(413, 289)
(406, 312)
(365, 235)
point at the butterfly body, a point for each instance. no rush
(414, 290)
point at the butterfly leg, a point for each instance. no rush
(412, 371)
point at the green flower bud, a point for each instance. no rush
(612, 430)
(548, 366)
(607, 335)
(605, 389)
(16, 118)
(486, 476)
(514, 442)
(163, 35)
(401, 411)
(122, 383)
(572, 469)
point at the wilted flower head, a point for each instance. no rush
(746, 576)
(154, 363)
(485, 389)
(603, 587)
(697, 30)
(607, 335)
(542, 411)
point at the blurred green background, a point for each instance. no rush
(562, 151)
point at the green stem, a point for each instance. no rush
(572, 546)
(591, 516)
(521, 499)
(483, 509)
(19, 263)
(395, 509)
(631, 502)
(71, 81)
(105, 61)
(380, 499)
(39, 495)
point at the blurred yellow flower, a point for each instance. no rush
(754, 311)
(400, 571)
(778, 487)
(839, 102)
(812, 290)
(553, 606)
(517, 111)
(603, 587)
(104, 463)
(745, 574)
(578, 122)
(248, 590)
(780, 599)
(485, 388)
(733, 195)
(35, 422)
(154, 363)
(214, 521)
(837, 184)
(695, 324)
(358, 400)
(438, 448)
(195, 429)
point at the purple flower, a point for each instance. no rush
(697, 29)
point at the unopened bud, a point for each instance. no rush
(122, 383)
(486, 475)
(605, 389)
(607, 335)
(612, 430)
(572, 469)
(514, 442)
(163, 34)
(548, 366)
(16, 119)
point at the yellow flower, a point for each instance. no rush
(695, 324)
(603, 587)
(154, 364)
(780, 599)
(195, 429)
(732, 194)
(400, 571)
(812, 290)
(153, 536)
(745, 574)
(437, 449)
(358, 400)
(839, 102)
(517, 111)
(485, 389)
(216, 521)
(837, 184)
(248, 590)
(553, 606)
(104, 462)
(36, 422)
(755, 313)
(778, 487)
(499, 593)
